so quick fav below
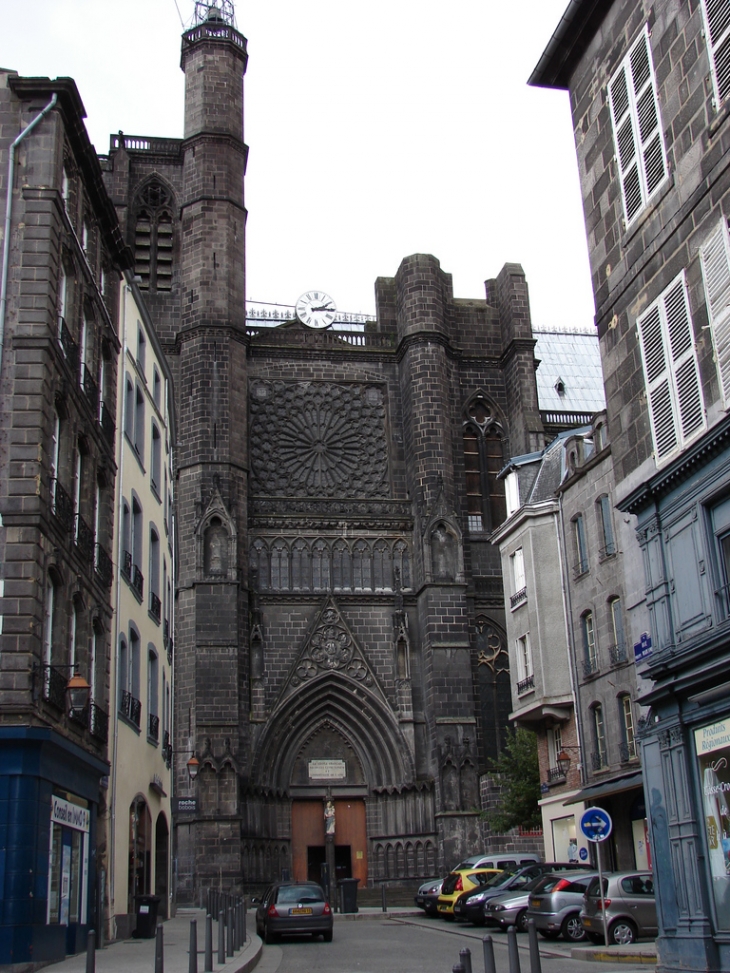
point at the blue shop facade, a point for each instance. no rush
(684, 532)
(49, 810)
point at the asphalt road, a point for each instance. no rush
(413, 946)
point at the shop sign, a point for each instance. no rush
(70, 815)
(327, 769)
(186, 805)
(713, 755)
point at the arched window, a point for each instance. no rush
(483, 442)
(362, 567)
(300, 566)
(320, 566)
(279, 566)
(341, 566)
(580, 546)
(590, 650)
(153, 581)
(605, 526)
(618, 649)
(628, 727)
(153, 719)
(600, 752)
(156, 458)
(382, 567)
(153, 237)
(259, 561)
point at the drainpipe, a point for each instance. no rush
(572, 654)
(8, 213)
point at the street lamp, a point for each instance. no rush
(77, 693)
(563, 762)
(193, 766)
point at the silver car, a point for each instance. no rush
(510, 908)
(427, 897)
(630, 908)
(556, 903)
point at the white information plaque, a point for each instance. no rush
(327, 770)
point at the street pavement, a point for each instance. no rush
(138, 955)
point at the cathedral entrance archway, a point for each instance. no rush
(308, 840)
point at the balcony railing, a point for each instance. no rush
(107, 424)
(91, 390)
(580, 567)
(98, 722)
(555, 773)
(153, 727)
(590, 666)
(167, 748)
(131, 708)
(104, 566)
(137, 581)
(63, 506)
(518, 597)
(126, 566)
(84, 539)
(79, 716)
(617, 653)
(525, 685)
(627, 751)
(54, 686)
(155, 607)
(69, 346)
(599, 760)
(608, 551)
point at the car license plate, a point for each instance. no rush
(300, 911)
(535, 903)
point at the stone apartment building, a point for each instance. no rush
(62, 257)
(649, 94)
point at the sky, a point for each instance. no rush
(375, 131)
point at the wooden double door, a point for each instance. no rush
(308, 840)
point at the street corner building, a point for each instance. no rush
(650, 96)
(339, 616)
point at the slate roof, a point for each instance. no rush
(573, 359)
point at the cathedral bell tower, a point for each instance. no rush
(211, 632)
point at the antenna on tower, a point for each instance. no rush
(182, 22)
(220, 11)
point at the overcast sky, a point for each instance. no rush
(376, 130)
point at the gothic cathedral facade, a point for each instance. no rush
(339, 607)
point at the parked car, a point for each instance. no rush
(504, 861)
(556, 903)
(472, 905)
(461, 880)
(630, 908)
(427, 896)
(293, 908)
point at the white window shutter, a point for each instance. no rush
(715, 259)
(656, 373)
(623, 128)
(717, 33)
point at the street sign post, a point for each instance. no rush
(596, 825)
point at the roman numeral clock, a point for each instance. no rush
(316, 309)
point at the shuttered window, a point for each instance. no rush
(717, 33)
(671, 372)
(637, 129)
(715, 258)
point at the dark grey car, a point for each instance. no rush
(630, 908)
(294, 909)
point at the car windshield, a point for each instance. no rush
(501, 878)
(300, 893)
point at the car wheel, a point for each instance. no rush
(622, 933)
(572, 928)
(269, 936)
(521, 921)
(327, 936)
(548, 933)
(596, 938)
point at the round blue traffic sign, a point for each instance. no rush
(583, 854)
(596, 824)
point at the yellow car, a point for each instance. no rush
(462, 880)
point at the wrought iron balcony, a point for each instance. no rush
(590, 666)
(153, 727)
(98, 722)
(126, 566)
(580, 567)
(91, 389)
(131, 708)
(525, 685)
(137, 581)
(54, 686)
(518, 597)
(599, 760)
(155, 607)
(68, 345)
(107, 424)
(84, 539)
(608, 551)
(167, 748)
(104, 566)
(617, 654)
(79, 716)
(166, 632)
(627, 751)
(63, 506)
(555, 773)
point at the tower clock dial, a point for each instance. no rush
(316, 309)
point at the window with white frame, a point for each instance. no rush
(518, 570)
(512, 493)
(555, 744)
(671, 371)
(715, 260)
(629, 732)
(606, 525)
(637, 128)
(524, 664)
(600, 753)
(716, 14)
(590, 651)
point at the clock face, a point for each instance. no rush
(316, 309)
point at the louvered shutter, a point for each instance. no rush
(715, 256)
(676, 408)
(637, 127)
(717, 33)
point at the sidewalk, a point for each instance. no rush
(138, 955)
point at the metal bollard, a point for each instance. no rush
(243, 918)
(193, 951)
(489, 966)
(514, 956)
(229, 932)
(209, 943)
(465, 959)
(385, 904)
(159, 950)
(457, 968)
(535, 964)
(91, 951)
(221, 938)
